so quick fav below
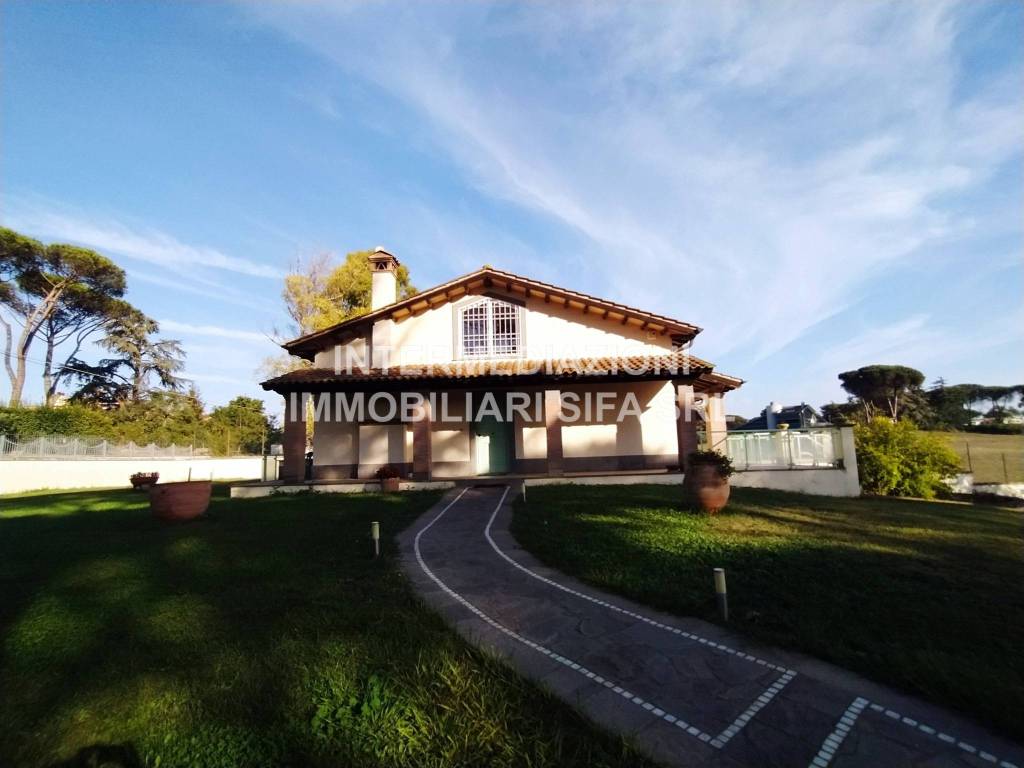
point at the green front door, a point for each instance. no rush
(493, 445)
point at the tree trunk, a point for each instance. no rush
(47, 375)
(138, 381)
(33, 322)
(8, 343)
(18, 382)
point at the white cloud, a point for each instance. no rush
(114, 237)
(220, 293)
(173, 326)
(750, 167)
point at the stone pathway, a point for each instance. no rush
(687, 692)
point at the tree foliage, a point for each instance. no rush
(43, 285)
(162, 417)
(895, 458)
(138, 358)
(318, 294)
(241, 426)
(881, 387)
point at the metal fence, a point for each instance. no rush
(59, 446)
(785, 448)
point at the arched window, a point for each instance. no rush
(490, 328)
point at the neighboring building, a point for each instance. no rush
(491, 333)
(793, 416)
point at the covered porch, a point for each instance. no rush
(568, 425)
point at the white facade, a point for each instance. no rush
(543, 331)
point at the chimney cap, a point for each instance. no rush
(382, 260)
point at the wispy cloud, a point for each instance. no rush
(117, 238)
(752, 168)
(217, 292)
(174, 326)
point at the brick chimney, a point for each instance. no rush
(384, 286)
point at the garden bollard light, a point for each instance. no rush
(720, 594)
(375, 535)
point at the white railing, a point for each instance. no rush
(785, 448)
(60, 446)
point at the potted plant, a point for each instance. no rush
(706, 482)
(180, 501)
(389, 477)
(141, 481)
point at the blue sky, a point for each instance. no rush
(820, 186)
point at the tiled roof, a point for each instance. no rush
(484, 279)
(667, 366)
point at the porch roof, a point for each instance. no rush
(675, 365)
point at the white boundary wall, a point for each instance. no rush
(817, 482)
(19, 475)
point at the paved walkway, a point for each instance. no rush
(687, 692)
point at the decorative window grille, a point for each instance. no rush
(490, 328)
(474, 331)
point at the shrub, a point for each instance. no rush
(387, 472)
(72, 420)
(898, 459)
(719, 461)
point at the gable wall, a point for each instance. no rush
(550, 331)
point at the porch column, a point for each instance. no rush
(421, 453)
(293, 465)
(553, 423)
(715, 422)
(686, 424)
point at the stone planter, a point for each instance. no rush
(180, 501)
(705, 488)
(389, 484)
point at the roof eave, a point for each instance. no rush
(307, 346)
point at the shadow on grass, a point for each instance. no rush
(103, 756)
(263, 635)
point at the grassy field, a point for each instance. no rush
(927, 596)
(262, 636)
(987, 453)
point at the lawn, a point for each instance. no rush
(264, 635)
(987, 455)
(926, 596)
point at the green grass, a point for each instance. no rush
(926, 596)
(262, 636)
(987, 453)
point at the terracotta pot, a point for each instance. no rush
(389, 484)
(180, 501)
(703, 487)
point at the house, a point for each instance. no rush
(774, 415)
(493, 373)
